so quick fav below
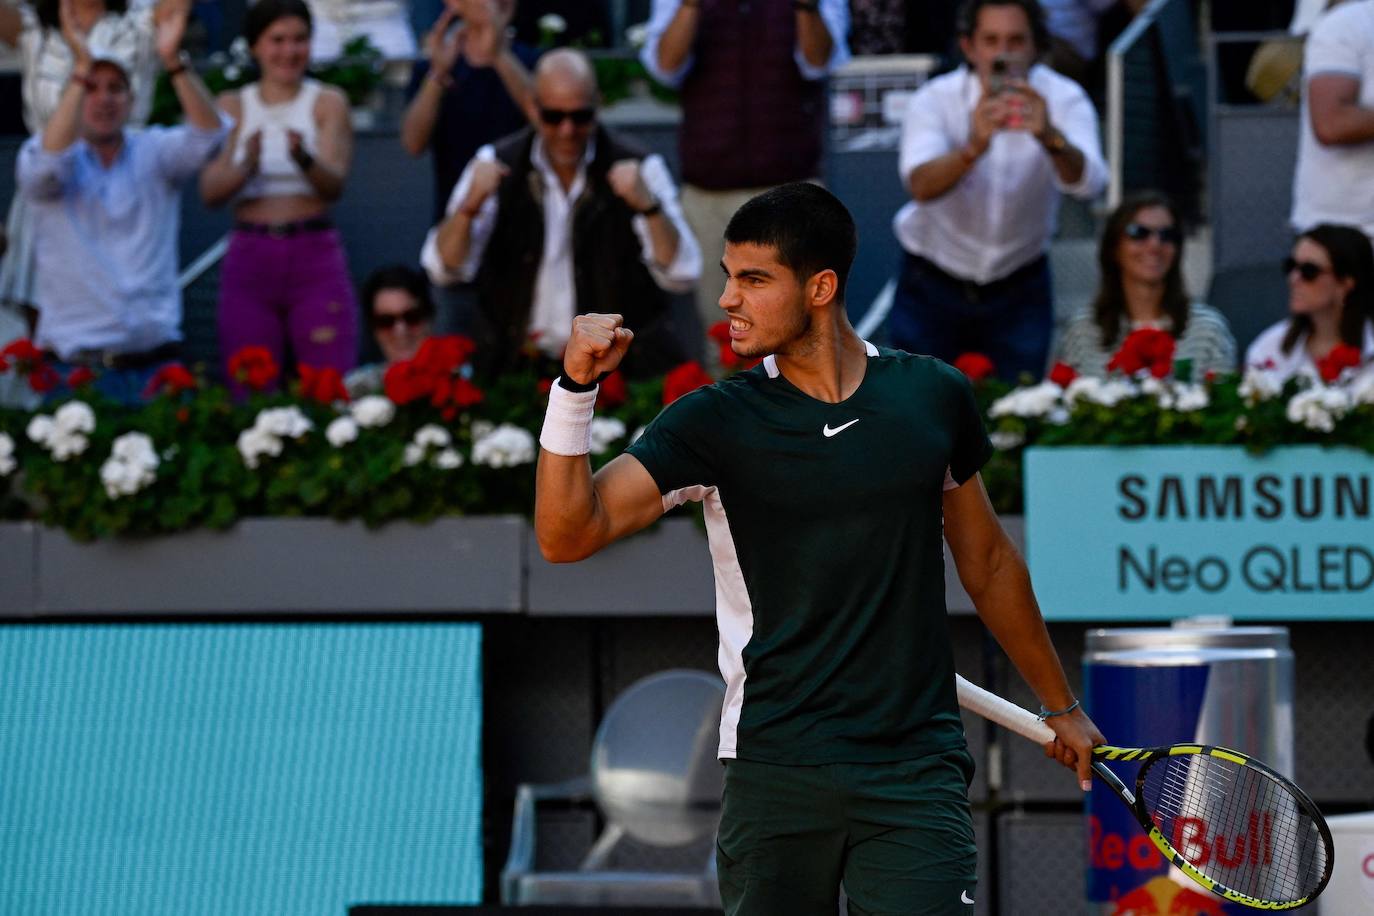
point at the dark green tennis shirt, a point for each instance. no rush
(825, 527)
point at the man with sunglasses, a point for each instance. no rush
(987, 151)
(564, 218)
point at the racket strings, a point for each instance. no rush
(1237, 825)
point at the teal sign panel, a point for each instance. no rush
(235, 769)
(1162, 533)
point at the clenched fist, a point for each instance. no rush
(486, 178)
(628, 184)
(597, 345)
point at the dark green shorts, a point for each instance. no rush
(899, 836)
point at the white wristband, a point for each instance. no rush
(568, 422)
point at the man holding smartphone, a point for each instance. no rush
(986, 152)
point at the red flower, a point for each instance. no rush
(545, 386)
(22, 350)
(324, 386)
(1062, 374)
(1341, 357)
(405, 381)
(435, 374)
(254, 367)
(171, 379)
(975, 365)
(612, 392)
(689, 376)
(444, 354)
(43, 378)
(80, 376)
(1147, 348)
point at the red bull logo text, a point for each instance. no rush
(1112, 851)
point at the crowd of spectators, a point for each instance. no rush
(541, 211)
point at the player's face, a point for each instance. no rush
(764, 301)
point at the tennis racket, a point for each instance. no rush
(1279, 855)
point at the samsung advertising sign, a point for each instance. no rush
(1160, 533)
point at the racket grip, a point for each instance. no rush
(1005, 713)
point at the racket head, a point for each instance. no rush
(1233, 824)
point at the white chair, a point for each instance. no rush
(655, 778)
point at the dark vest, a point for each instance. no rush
(749, 120)
(608, 274)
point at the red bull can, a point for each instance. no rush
(1209, 684)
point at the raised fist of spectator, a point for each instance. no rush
(443, 43)
(486, 178)
(628, 184)
(485, 25)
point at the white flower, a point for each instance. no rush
(1108, 393)
(285, 422)
(75, 417)
(254, 443)
(1004, 440)
(239, 48)
(414, 454)
(67, 446)
(341, 431)
(132, 465)
(1149, 385)
(7, 462)
(1033, 401)
(432, 434)
(1259, 385)
(373, 410)
(448, 459)
(232, 72)
(1362, 390)
(505, 446)
(1319, 407)
(41, 428)
(482, 429)
(1185, 398)
(605, 430)
(553, 24)
(135, 448)
(637, 34)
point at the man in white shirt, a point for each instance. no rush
(986, 152)
(1334, 180)
(563, 219)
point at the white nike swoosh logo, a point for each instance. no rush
(837, 430)
(965, 898)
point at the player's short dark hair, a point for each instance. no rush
(262, 14)
(396, 276)
(809, 227)
(967, 20)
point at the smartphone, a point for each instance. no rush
(997, 80)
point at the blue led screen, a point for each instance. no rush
(238, 769)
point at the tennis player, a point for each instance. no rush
(828, 474)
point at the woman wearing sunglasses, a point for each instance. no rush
(1330, 302)
(398, 308)
(284, 277)
(1141, 257)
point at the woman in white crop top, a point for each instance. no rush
(284, 281)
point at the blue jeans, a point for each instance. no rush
(1009, 320)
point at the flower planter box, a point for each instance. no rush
(288, 566)
(1155, 533)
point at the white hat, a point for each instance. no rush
(102, 53)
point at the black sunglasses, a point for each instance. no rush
(1308, 270)
(556, 116)
(1138, 232)
(412, 317)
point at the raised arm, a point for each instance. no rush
(64, 126)
(675, 44)
(814, 40)
(222, 178)
(442, 46)
(487, 44)
(995, 576)
(576, 513)
(195, 99)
